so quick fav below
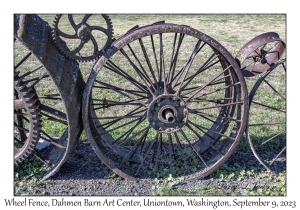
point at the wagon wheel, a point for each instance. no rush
(85, 38)
(44, 75)
(260, 53)
(165, 99)
(266, 129)
(27, 122)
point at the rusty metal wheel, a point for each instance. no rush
(27, 122)
(260, 53)
(85, 38)
(165, 99)
(52, 84)
(266, 129)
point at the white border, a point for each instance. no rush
(153, 6)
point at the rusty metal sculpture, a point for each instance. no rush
(148, 110)
(42, 64)
(263, 54)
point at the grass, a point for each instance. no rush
(232, 31)
(220, 184)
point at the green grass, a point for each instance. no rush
(232, 31)
(274, 185)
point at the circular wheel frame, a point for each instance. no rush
(165, 99)
(269, 151)
(83, 33)
(257, 55)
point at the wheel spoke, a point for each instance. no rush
(139, 143)
(212, 84)
(204, 140)
(134, 92)
(181, 152)
(281, 96)
(263, 124)
(283, 66)
(23, 60)
(156, 62)
(67, 36)
(162, 63)
(187, 66)
(20, 113)
(95, 45)
(221, 134)
(277, 156)
(215, 117)
(158, 151)
(194, 149)
(77, 49)
(217, 90)
(111, 66)
(144, 73)
(270, 107)
(213, 79)
(147, 153)
(40, 157)
(37, 79)
(19, 141)
(204, 67)
(48, 117)
(53, 111)
(71, 20)
(116, 89)
(174, 59)
(108, 103)
(108, 124)
(31, 71)
(51, 140)
(147, 60)
(271, 138)
(86, 17)
(98, 28)
(120, 126)
(217, 106)
(126, 139)
(171, 150)
(51, 97)
(136, 145)
(145, 78)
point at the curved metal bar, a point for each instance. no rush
(66, 75)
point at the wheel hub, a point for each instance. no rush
(167, 113)
(84, 34)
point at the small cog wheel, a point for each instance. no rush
(27, 120)
(83, 39)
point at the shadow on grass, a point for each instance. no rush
(84, 164)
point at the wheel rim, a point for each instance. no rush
(165, 99)
(269, 100)
(260, 53)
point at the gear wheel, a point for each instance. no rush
(27, 120)
(81, 36)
